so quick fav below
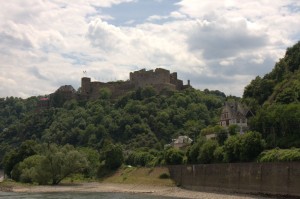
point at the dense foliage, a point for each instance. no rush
(50, 165)
(282, 84)
(137, 125)
(276, 100)
(236, 148)
(280, 155)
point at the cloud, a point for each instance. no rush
(223, 38)
(146, 45)
(221, 45)
(105, 36)
(35, 71)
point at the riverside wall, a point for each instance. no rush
(257, 178)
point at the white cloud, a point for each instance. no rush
(220, 45)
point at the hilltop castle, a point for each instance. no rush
(159, 79)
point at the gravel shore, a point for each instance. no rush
(130, 188)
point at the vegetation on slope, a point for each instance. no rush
(276, 100)
(138, 125)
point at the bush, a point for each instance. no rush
(174, 156)
(114, 157)
(244, 147)
(164, 176)
(280, 155)
(206, 155)
(251, 146)
(139, 158)
(219, 154)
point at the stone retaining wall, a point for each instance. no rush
(265, 178)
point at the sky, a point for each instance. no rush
(216, 44)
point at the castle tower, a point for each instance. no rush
(85, 85)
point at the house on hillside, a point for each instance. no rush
(235, 113)
(181, 142)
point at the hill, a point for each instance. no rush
(142, 119)
(282, 84)
(276, 100)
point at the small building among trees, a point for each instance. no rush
(235, 113)
(181, 142)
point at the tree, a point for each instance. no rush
(105, 93)
(222, 135)
(251, 146)
(206, 154)
(148, 92)
(174, 156)
(233, 129)
(232, 148)
(15, 156)
(93, 159)
(114, 157)
(219, 154)
(26, 171)
(61, 162)
(139, 158)
(51, 166)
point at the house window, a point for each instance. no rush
(225, 115)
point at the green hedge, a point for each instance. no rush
(280, 155)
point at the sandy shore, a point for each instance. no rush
(130, 188)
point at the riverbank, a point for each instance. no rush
(170, 191)
(126, 180)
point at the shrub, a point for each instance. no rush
(280, 155)
(174, 156)
(164, 176)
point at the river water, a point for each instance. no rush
(78, 195)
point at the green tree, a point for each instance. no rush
(222, 135)
(206, 154)
(148, 92)
(233, 129)
(26, 171)
(232, 147)
(219, 154)
(61, 162)
(251, 146)
(174, 156)
(93, 159)
(105, 93)
(114, 157)
(15, 156)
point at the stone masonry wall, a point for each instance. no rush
(266, 178)
(159, 79)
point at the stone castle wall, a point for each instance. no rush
(145, 78)
(159, 79)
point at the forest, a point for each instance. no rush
(95, 137)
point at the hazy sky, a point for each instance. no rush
(217, 44)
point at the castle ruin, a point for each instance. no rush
(159, 79)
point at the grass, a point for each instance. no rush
(8, 184)
(125, 175)
(135, 175)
